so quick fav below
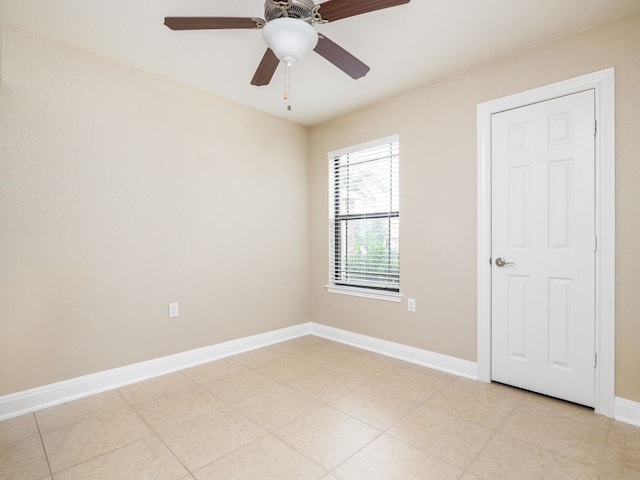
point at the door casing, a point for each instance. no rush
(603, 82)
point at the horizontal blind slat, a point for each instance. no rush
(364, 228)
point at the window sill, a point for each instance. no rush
(364, 292)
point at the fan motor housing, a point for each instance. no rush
(305, 10)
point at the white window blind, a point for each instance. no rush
(365, 217)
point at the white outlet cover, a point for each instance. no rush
(411, 304)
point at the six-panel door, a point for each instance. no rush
(543, 214)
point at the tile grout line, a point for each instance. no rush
(44, 448)
(462, 470)
(604, 453)
(322, 467)
(553, 452)
(53, 474)
(121, 447)
(154, 433)
(495, 432)
(274, 434)
(383, 431)
(231, 406)
(369, 380)
(547, 450)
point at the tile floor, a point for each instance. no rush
(312, 409)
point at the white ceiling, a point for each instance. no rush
(406, 46)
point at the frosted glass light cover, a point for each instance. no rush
(289, 38)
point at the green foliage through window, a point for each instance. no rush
(365, 218)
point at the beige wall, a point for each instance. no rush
(121, 192)
(437, 128)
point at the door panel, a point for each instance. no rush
(519, 207)
(518, 292)
(559, 301)
(543, 210)
(560, 178)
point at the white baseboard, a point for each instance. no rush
(627, 411)
(27, 401)
(437, 361)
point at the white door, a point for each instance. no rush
(543, 247)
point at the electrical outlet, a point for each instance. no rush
(411, 304)
(173, 310)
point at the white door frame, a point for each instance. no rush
(603, 82)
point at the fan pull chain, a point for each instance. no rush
(287, 83)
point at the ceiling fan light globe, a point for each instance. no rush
(289, 38)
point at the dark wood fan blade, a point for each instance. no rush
(206, 23)
(340, 57)
(333, 10)
(266, 69)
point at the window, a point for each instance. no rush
(364, 216)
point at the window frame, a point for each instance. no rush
(333, 286)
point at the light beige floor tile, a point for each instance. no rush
(477, 402)
(147, 459)
(566, 409)
(389, 459)
(326, 385)
(622, 458)
(445, 436)
(572, 438)
(324, 360)
(412, 384)
(207, 438)
(23, 459)
(417, 368)
(375, 406)
(625, 429)
(304, 340)
(276, 407)
(156, 388)
(508, 391)
(328, 355)
(257, 358)
(342, 347)
(404, 365)
(506, 458)
(300, 344)
(327, 437)
(17, 429)
(268, 458)
(181, 406)
(78, 442)
(391, 361)
(538, 437)
(208, 373)
(287, 369)
(101, 404)
(363, 366)
(235, 387)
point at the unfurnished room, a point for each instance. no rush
(319, 240)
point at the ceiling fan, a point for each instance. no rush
(289, 34)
